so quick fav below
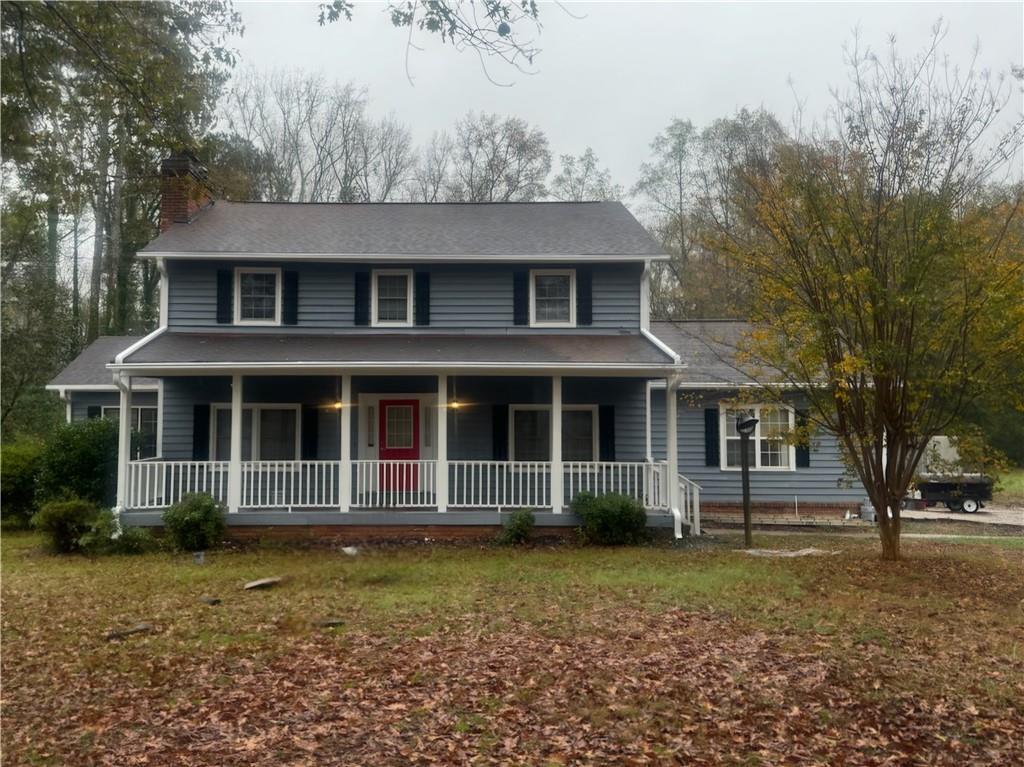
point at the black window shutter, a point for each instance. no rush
(606, 432)
(712, 456)
(93, 411)
(225, 306)
(421, 298)
(499, 433)
(310, 431)
(290, 298)
(362, 308)
(521, 297)
(584, 297)
(803, 449)
(200, 432)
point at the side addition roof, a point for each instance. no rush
(707, 348)
(89, 369)
(410, 230)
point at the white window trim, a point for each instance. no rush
(407, 323)
(571, 274)
(724, 407)
(513, 409)
(256, 407)
(239, 271)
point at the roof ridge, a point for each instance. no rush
(431, 204)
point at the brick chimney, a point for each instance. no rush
(183, 191)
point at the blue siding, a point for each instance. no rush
(461, 296)
(824, 481)
(82, 400)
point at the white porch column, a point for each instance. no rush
(124, 441)
(557, 493)
(345, 469)
(235, 464)
(672, 442)
(442, 443)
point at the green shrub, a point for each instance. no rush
(19, 467)
(195, 523)
(610, 520)
(65, 522)
(80, 461)
(103, 537)
(518, 528)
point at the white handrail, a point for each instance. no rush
(290, 484)
(689, 500)
(499, 484)
(394, 484)
(159, 484)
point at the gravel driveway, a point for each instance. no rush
(994, 514)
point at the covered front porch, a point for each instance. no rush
(335, 449)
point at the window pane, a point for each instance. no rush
(774, 422)
(552, 302)
(578, 435)
(392, 298)
(732, 452)
(145, 441)
(257, 296)
(277, 435)
(222, 448)
(531, 435)
(774, 452)
(399, 426)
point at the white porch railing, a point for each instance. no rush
(689, 503)
(646, 482)
(155, 484)
(499, 484)
(394, 484)
(290, 484)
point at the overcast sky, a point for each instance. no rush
(617, 75)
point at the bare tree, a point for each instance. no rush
(431, 176)
(581, 178)
(499, 160)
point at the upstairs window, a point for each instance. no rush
(553, 298)
(259, 296)
(768, 448)
(392, 298)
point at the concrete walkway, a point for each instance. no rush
(990, 515)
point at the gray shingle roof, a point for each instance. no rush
(89, 367)
(399, 349)
(412, 229)
(707, 348)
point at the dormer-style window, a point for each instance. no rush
(392, 298)
(259, 296)
(553, 298)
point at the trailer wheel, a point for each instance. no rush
(970, 505)
(957, 505)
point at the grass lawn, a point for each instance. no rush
(480, 655)
(1011, 487)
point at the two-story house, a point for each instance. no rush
(427, 364)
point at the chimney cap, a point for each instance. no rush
(182, 163)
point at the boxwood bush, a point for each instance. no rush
(80, 461)
(19, 467)
(518, 528)
(65, 522)
(103, 537)
(195, 523)
(610, 520)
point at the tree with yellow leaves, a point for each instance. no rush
(885, 250)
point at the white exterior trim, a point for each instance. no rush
(150, 369)
(402, 258)
(755, 438)
(239, 271)
(571, 274)
(374, 321)
(645, 297)
(165, 291)
(256, 407)
(119, 358)
(96, 388)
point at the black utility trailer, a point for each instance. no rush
(964, 493)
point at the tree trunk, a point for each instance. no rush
(52, 218)
(76, 309)
(99, 208)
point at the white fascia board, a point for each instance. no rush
(405, 257)
(721, 385)
(482, 368)
(96, 387)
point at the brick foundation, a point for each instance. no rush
(364, 533)
(777, 511)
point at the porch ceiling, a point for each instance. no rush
(216, 350)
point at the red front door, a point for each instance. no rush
(399, 440)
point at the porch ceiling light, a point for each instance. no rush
(454, 404)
